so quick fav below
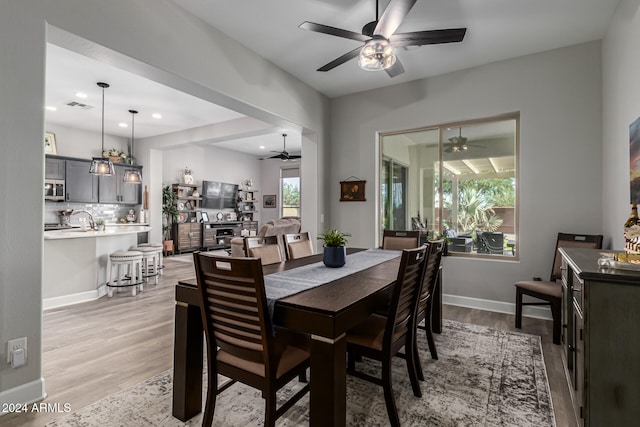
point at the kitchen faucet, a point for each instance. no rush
(92, 224)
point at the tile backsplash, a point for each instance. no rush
(111, 213)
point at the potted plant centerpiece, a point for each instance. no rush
(335, 253)
(170, 213)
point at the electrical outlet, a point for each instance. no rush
(18, 343)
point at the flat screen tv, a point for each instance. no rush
(219, 195)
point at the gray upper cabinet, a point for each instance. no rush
(54, 168)
(113, 189)
(81, 186)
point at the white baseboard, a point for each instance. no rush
(62, 301)
(497, 306)
(24, 394)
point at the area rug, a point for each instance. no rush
(483, 377)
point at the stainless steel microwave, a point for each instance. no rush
(54, 189)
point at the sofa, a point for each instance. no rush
(274, 227)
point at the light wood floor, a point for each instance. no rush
(95, 349)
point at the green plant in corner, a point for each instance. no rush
(334, 238)
(169, 210)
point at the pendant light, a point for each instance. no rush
(102, 165)
(132, 176)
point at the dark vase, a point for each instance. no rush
(335, 257)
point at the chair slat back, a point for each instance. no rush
(400, 239)
(405, 293)
(569, 240)
(431, 271)
(298, 245)
(265, 248)
(233, 305)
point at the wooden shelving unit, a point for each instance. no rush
(247, 204)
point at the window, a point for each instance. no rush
(290, 191)
(459, 180)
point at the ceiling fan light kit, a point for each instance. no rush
(380, 39)
(102, 165)
(376, 54)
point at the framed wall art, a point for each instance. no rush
(269, 201)
(50, 146)
(352, 191)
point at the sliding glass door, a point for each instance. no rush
(394, 195)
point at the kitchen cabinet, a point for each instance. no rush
(600, 346)
(113, 189)
(81, 186)
(54, 168)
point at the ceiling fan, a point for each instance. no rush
(379, 39)
(284, 155)
(459, 143)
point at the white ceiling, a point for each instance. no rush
(69, 73)
(496, 30)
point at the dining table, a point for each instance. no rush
(325, 312)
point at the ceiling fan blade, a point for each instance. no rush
(420, 38)
(392, 17)
(295, 156)
(278, 156)
(339, 61)
(333, 31)
(396, 69)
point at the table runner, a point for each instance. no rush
(290, 282)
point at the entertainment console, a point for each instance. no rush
(600, 346)
(209, 235)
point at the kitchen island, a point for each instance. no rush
(75, 262)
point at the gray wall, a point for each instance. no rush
(621, 106)
(558, 96)
(153, 38)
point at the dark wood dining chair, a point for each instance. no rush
(266, 248)
(425, 302)
(242, 344)
(298, 245)
(400, 239)
(382, 337)
(551, 292)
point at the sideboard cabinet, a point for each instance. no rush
(600, 339)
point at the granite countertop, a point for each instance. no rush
(110, 230)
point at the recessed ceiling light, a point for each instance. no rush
(81, 95)
(262, 147)
(51, 108)
(156, 115)
(123, 125)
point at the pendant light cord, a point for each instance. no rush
(133, 115)
(103, 86)
(102, 153)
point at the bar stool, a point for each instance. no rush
(150, 261)
(158, 246)
(132, 261)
